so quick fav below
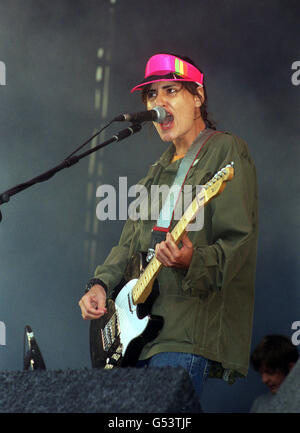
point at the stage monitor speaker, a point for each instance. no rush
(119, 390)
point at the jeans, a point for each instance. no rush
(196, 365)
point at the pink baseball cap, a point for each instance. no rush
(165, 67)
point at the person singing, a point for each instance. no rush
(206, 284)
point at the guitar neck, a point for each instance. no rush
(143, 286)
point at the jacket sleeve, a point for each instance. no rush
(230, 223)
(113, 268)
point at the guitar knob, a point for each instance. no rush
(116, 356)
(113, 362)
(108, 366)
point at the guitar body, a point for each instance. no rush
(117, 338)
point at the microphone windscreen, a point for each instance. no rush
(161, 114)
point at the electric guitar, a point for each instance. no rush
(117, 338)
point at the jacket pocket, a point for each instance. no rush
(179, 313)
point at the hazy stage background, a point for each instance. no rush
(69, 68)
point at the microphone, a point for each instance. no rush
(158, 114)
(33, 360)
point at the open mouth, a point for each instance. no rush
(168, 122)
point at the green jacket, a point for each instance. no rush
(207, 309)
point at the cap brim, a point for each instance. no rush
(157, 78)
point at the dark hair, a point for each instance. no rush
(192, 88)
(274, 352)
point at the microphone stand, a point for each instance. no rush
(68, 162)
(33, 359)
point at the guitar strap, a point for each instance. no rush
(166, 215)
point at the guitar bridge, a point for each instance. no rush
(110, 332)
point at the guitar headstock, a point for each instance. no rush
(217, 183)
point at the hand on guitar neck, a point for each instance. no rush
(170, 255)
(92, 304)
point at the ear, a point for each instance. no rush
(198, 102)
(200, 98)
